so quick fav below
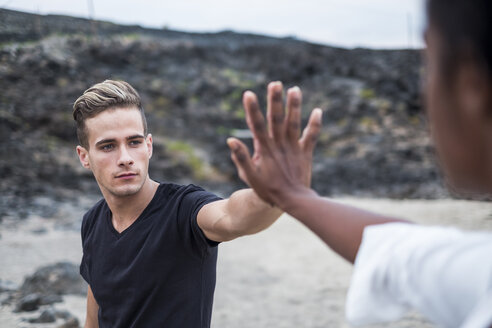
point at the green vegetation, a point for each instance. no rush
(330, 152)
(343, 122)
(159, 106)
(182, 87)
(367, 94)
(185, 153)
(19, 44)
(401, 107)
(383, 106)
(194, 100)
(240, 114)
(131, 36)
(414, 120)
(161, 102)
(237, 78)
(324, 137)
(367, 122)
(223, 131)
(232, 104)
(52, 143)
(66, 116)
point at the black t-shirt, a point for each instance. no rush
(160, 271)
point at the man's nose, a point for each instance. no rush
(125, 158)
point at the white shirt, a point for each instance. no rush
(444, 273)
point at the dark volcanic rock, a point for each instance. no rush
(48, 315)
(63, 315)
(30, 302)
(51, 315)
(374, 141)
(47, 285)
(70, 323)
(57, 279)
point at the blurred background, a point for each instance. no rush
(360, 61)
(351, 23)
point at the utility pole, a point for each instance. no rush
(409, 30)
(37, 24)
(90, 5)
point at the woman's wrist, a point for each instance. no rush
(289, 200)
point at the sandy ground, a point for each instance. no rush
(282, 277)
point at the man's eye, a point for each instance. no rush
(107, 147)
(135, 142)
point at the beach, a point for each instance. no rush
(282, 277)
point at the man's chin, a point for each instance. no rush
(125, 191)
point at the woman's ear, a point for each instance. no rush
(473, 90)
(474, 93)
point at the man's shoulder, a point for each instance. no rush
(181, 195)
(170, 189)
(95, 209)
(90, 216)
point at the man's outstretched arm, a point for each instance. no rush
(243, 213)
(281, 162)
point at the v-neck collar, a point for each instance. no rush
(141, 217)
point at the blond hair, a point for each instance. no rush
(103, 96)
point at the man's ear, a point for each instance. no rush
(148, 141)
(83, 157)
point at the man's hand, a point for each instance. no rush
(281, 164)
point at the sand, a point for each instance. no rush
(282, 277)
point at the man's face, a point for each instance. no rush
(119, 153)
(456, 124)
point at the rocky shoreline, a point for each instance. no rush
(41, 290)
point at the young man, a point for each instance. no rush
(444, 273)
(149, 248)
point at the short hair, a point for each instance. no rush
(104, 96)
(464, 29)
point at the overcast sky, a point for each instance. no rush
(347, 23)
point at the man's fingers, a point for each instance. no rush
(294, 101)
(312, 130)
(241, 158)
(275, 110)
(254, 117)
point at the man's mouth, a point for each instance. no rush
(127, 175)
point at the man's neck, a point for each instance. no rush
(125, 210)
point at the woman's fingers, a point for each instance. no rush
(311, 132)
(255, 119)
(275, 111)
(241, 158)
(293, 120)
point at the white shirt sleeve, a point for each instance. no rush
(444, 273)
